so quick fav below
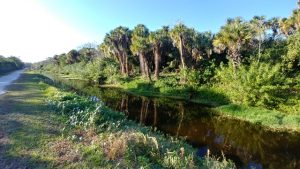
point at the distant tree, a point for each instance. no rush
(259, 26)
(88, 52)
(56, 60)
(72, 56)
(273, 24)
(232, 38)
(202, 45)
(11, 63)
(140, 46)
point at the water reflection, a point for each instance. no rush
(246, 144)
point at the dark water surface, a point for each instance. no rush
(248, 145)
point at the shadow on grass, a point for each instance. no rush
(26, 126)
(23, 162)
(26, 145)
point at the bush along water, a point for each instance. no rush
(110, 140)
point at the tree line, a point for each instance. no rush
(10, 64)
(185, 47)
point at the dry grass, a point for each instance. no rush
(65, 152)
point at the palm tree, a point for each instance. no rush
(273, 24)
(259, 27)
(296, 18)
(232, 38)
(286, 26)
(72, 56)
(140, 46)
(117, 42)
(202, 45)
(181, 35)
(158, 40)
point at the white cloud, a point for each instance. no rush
(28, 30)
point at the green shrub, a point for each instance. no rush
(79, 111)
(292, 58)
(260, 84)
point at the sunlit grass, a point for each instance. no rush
(269, 118)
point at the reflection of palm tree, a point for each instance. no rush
(181, 111)
(144, 109)
(124, 104)
(155, 112)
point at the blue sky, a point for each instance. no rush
(65, 24)
(100, 16)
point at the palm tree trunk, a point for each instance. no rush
(236, 59)
(122, 67)
(181, 52)
(142, 69)
(157, 63)
(146, 68)
(259, 47)
(126, 65)
(121, 64)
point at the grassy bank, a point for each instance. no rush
(46, 127)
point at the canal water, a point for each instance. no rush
(248, 145)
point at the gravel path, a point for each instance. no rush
(8, 79)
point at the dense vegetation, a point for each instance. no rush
(251, 63)
(10, 64)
